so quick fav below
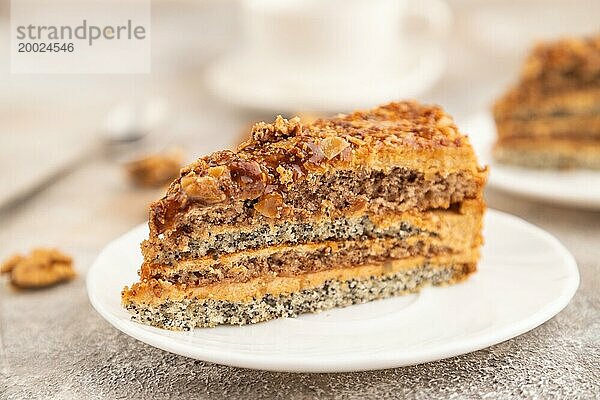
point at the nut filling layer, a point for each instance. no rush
(331, 194)
(294, 261)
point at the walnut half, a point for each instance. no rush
(42, 267)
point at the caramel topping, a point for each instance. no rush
(163, 212)
(286, 151)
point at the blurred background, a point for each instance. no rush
(217, 66)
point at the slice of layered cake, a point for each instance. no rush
(551, 118)
(304, 218)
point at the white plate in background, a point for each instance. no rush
(578, 188)
(525, 277)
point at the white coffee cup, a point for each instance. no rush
(323, 40)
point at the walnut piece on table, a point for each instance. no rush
(155, 170)
(42, 267)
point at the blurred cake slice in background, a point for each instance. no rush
(551, 118)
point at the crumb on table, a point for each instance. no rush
(155, 170)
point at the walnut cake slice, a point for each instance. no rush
(551, 118)
(304, 218)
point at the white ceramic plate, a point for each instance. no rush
(578, 188)
(525, 277)
(245, 82)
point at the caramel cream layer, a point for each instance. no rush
(154, 292)
(292, 260)
(443, 224)
(431, 220)
(242, 262)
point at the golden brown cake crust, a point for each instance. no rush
(286, 152)
(516, 104)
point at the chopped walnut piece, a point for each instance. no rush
(202, 188)
(358, 205)
(155, 170)
(447, 127)
(270, 205)
(42, 267)
(156, 288)
(356, 141)
(286, 176)
(265, 132)
(332, 146)
(249, 178)
(281, 128)
(218, 171)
